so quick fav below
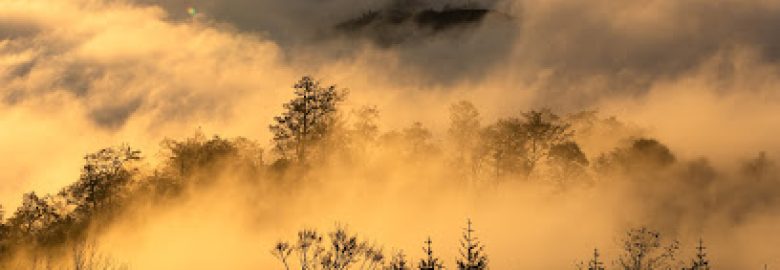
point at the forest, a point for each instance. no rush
(315, 141)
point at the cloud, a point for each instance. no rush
(701, 76)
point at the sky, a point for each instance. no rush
(78, 75)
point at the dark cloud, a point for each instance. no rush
(114, 116)
(623, 46)
(629, 46)
(11, 28)
(443, 41)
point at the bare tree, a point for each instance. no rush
(643, 250)
(341, 251)
(344, 250)
(86, 256)
(282, 251)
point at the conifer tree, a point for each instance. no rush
(700, 262)
(595, 263)
(398, 262)
(430, 262)
(307, 120)
(472, 251)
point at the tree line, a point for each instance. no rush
(641, 249)
(313, 131)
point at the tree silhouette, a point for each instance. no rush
(282, 251)
(758, 168)
(307, 119)
(567, 160)
(430, 262)
(309, 248)
(344, 250)
(86, 256)
(364, 131)
(595, 263)
(643, 250)
(372, 258)
(33, 216)
(398, 262)
(197, 153)
(365, 126)
(543, 130)
(104, 175)
(643, 155)
(502, 145)
(464, 132)
(700, 262)
(418, 140)
(472, 252)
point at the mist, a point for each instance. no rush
(673, 104)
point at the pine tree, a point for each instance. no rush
(595, 263)
(701, 262)
(429, 262)
(472, 251)
(398, 262)
(307, 120)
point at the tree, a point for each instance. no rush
(464, 132)
(567, 160)
(309, 248)
(642, 155)
(87, 256)
(197, 153)
(502, 145)
(643, 250)
(595, 263)
(418, 140)
(542, 131)
(307, 119)
(472, 252)
(365, 130)
(104, 175)
(758, 168)
(365, 127)
(430, 262)
(282, 251)
(700, 262)
(398, 262)
(189, 158)
(33, 216)
(372, 258)
(342, 251)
